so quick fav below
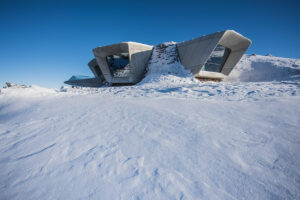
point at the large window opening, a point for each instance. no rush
(118, 64)
(217, 59)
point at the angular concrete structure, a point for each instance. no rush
(210, 57)
(214, 55)
(94, 67)
(84, 81)
(123, 63)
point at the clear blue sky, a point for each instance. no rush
(45, 42)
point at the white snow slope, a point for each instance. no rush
(170, 137)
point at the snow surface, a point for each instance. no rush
(266, 68)
(169, 137)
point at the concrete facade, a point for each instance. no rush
(126, 62)
(94, 67)
(138, 55)
(194, 53)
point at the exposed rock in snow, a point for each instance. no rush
(8, 84)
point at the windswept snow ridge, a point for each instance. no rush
(265, 68)
(164, 66)
(169, 137)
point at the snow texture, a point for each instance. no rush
(170, 137)
(265, 68)
(164, 64)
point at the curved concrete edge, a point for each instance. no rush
(139, 58)
(238, 45)
(139, 55)
(94, 67)
(101, 53)
(194, 53)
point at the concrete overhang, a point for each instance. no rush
(94, 67)
(88, 82)
(138, 55)
(194, 53)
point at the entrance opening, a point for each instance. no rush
(118, 64)
(217, 59)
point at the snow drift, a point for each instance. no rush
(265, 68)
(164, 66)
(170, 137)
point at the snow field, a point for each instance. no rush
(170, 137)
(165, 148)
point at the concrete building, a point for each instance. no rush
(213, 56)
(123, 63)
(209, 57)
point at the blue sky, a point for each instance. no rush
(46, 42)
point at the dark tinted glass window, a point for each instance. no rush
(217, 59)
(117, 62)
(97, 70)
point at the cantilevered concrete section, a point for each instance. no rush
(123, 63)
(214, 55)
(84, 81)
(94, 67)
(210, 57)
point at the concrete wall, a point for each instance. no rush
(238, 45)
(94, 67)
(139, 55)
(139, 58)
(101, 53)
(194, 53)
